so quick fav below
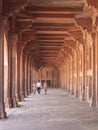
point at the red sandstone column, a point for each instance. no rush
(19, 55)
(96, 67)
(65, 77)
(71, 75)
(12, 88)
(25, 76)
(68, 75)
(22, 84)
(77, 73)
(84, 74)
(72, 91)
(29, 76)
(94, 89)
(2, 106)
(18, 73)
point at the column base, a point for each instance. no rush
(19, 97)
(77, 95)
(82, 97)
(2, 111)
(22, 96)
(28, 92)
(72, 92)
(25, 94)
(12, 102)
(68, 91)
(93, 102)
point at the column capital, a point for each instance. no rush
(13, 38)
(12, 23)
(94, 35)
(85, 23)
(13, 34)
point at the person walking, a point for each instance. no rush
(45, 87)
(39, 86)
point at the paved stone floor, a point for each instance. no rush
(55, 111)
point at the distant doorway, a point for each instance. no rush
(49, 83)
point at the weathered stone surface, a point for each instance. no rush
(55, 111)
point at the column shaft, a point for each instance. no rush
(2, 106)
(94, 89)
(12, 88)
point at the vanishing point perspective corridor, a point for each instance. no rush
(49, 44)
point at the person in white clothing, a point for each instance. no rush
(39, 86)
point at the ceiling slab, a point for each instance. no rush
(49, 29)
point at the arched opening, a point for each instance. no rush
(5, 71)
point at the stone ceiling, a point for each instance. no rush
(50, 29)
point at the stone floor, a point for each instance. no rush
(55, 111)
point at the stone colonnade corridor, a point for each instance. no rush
(55, 111)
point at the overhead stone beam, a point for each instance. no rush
(55, 9)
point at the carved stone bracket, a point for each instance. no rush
(85, 23)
